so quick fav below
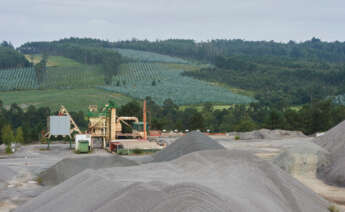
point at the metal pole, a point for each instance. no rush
(144, 120)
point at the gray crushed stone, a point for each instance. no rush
(334, 141)
(302, 159)
(69, 167)
(267, 134)
(212, 180)
(192, 142)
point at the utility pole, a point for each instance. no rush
(144, 120)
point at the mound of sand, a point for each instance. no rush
(192, 142)
(333, 141)
(216, 180)
(268, 134)
(69, 167)
(302, 159)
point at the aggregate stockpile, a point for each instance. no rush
(302, 159)
(210, 181)
(69, 167)
(333, 141)
(192, 142)
(267, 134)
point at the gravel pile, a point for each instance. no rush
(69, 167)
(333, 141)
(302, 159)
(192, 142)
(215, 180)
(267, 134)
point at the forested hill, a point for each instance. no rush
(313, 50)
(10, 58)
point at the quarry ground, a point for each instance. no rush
(30, 160)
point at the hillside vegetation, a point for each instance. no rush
(66, 73)
(108, 59)
(18, 79)
(141, 74)
(77, 99)
(277, 81)
(144, 56)
(140, 80)
(10, 58)
(278, 74)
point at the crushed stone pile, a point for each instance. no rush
(302, 159)
(333, 141)
(209, 181)
(267, 134)
(69, 167)
(192, 142)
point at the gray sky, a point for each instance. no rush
(279, 20)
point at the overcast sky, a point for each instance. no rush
(279, 20)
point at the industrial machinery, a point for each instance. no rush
(61, 125)
(106, 126)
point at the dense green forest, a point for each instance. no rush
(277, 81)
(312, 50)
(317, 116)
(10, 58)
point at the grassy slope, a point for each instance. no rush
(73, 99)
(66, 73)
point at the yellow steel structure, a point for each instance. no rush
(107, 126)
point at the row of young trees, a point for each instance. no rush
(8, 137)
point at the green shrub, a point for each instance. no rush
(332, 208)
(8, 149)
(237, 137)
(39, 180)
(137, 151)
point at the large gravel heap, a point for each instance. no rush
(192, 142)
(69, 167)
(333, 141)
(302, 159)
(267, 134)
(212, 181)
